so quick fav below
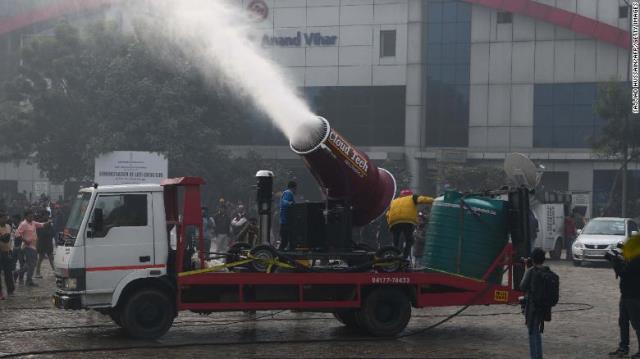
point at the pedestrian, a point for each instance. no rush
(223, 226)
(538, 299)
(208, 228)
(627, 269)
(18, 253)
(570, 233)
(287, 200)
(6, 258)
(238, 224)
(44, 245)
(249, 233)
(27, 233)
(402, 218)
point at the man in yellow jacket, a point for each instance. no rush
(403, 218)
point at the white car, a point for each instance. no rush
(600, 235)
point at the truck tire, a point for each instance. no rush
(391, 253)
(347, 317)
(556, 253)
(264, 252)
(116, 317)
(385, 312)
(147, 314)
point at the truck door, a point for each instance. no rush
(124, 244)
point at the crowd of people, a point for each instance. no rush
(27, 238)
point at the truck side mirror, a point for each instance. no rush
(97, 225)
(579, 231)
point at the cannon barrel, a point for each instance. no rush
(346, 173)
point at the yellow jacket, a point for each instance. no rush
(405, 209)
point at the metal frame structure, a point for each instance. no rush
(227, 291)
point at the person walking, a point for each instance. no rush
(223, 226)
(536, 311)
(287, 200)
(6, 259)
(27, 231)
(44, 245)
(402, 218)
(570, 233)
(18, 253)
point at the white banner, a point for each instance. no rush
(130, 167)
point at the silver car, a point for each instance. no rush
(600, 235)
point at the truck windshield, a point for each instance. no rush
(77, 214)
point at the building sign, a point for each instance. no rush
(300, 39)
(130, 167)
(258, 10)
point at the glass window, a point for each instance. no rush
(449, 12)
(123, 210)
(585, 93)
(633, 227)
(449, 31)
(463, 32)
(78, 209)
(434, 11)
(448, 53)
(464, 12)
(387, 43)
(434, 33)
(623, 12)
(505, 17)
(434, 53)
(543, 95)
(563, 94)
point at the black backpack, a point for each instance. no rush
(545, 289)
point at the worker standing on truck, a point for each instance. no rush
(403, 218)
(286, 200)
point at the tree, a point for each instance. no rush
(618, 138)
(78, 96)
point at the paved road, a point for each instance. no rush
(28, 323)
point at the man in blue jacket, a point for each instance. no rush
(286, 201)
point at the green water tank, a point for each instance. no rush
(465, 234)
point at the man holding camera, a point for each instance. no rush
(541, 287)
(627, 268)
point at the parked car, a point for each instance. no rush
(599, 235)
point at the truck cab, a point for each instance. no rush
(115, 239)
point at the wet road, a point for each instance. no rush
(28, 324)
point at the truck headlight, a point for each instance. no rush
(71, 283)
(578, 245)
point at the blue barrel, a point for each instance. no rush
(465, 234)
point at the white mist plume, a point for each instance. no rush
(215, 35)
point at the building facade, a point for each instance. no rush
(435, 82)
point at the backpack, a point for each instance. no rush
(545, 289)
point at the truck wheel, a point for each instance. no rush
(347, 317)
(385, 312)
(116, 316)
(556, 253)
(394, 263)
(233, 254)
(147, 314)
(265, 253)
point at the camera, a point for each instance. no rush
(614, 255)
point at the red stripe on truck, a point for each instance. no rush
(100, 269)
